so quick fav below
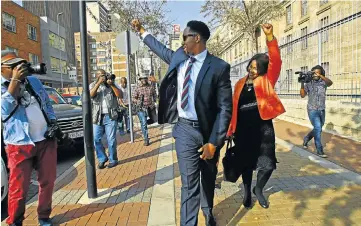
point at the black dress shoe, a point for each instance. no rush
(247, 202)
(101, 165)
(113, 164)
(210, 221)
(261, 199)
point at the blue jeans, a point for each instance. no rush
(121, 123)
(317, 118)
(142, 115)
(108, 126)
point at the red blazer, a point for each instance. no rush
(269, 105)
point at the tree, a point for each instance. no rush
(243, 16)
(152, 14)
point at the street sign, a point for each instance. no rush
(121, 43)
(72, 74)
(176, 28)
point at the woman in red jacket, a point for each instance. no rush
(255, 104)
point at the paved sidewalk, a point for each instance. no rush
(145, 190)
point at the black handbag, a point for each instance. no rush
(231, 170)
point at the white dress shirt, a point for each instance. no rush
(190, 111)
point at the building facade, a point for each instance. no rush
(20, 32)
(98, 18)
(51, 9)
(102, 54)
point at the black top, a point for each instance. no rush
(248, 113)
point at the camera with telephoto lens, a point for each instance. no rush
(305, 77)
(39, 69)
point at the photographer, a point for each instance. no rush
(104, 93)
(145, 97)
(316, 88)
(27, 117)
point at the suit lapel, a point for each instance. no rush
(179, 58)
(202, 73)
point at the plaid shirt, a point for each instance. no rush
(149, 94)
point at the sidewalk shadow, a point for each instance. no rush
(119, 197)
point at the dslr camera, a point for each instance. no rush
(54, 131)
(305, 77)
(108, 76)
(35, 69)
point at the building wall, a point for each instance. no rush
(97, 55)
(19, 40)
(51, 9)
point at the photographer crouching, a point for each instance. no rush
(105, 93)
(30, 134)
(314, 84)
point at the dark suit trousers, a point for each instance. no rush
(198, 176)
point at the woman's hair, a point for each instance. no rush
(320, 68)
(262, 63)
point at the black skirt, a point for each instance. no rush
(254, 137)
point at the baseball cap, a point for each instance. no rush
(10, 58)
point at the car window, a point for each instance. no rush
(54, 96)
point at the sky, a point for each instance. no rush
(183, 11)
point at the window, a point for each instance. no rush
(33, 59)
(94, 67)
(32, 32)
(102, 60)
(326, 66)
(55, 65)
(289, 15)
(324, 34)
(304, 42)
(93, 75)
(9, 22)
(94, 53)
(101, 53)
(322, 2)
(93, 46)
(56, 41)
(303, 7)
(289, 45)
(12, 49)
(304, 68)
(94, 61)
(289, 79)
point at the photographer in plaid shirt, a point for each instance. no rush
(144, 97)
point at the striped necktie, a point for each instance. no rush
(186, 84)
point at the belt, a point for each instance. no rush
(189, 122)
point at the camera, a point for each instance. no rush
(36, 69)
(305, 77)
(54, 131)
(108, 76)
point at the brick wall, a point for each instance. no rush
(19, 40)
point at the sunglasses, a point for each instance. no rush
(188, 35)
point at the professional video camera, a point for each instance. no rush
(305, 77)
(36, 69)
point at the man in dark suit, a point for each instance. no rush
(196, 94)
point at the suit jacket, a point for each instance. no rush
(213, 92)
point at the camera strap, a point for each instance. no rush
(30, 89)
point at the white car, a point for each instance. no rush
(4, 180)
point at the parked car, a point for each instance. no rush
(72, 99)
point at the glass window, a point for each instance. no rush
(289, 78)
(94, 46)
(289, 14)
(33, 59)
(101, 60)
(324, 23)
(304, 68)
(56, 41)
(32, 32)
(94, 53)
(55, 65)
(94, 61)
(303, 7)
(289, 45)
(304, 42)
(9, 22)
(54, 96)
(12, 49)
